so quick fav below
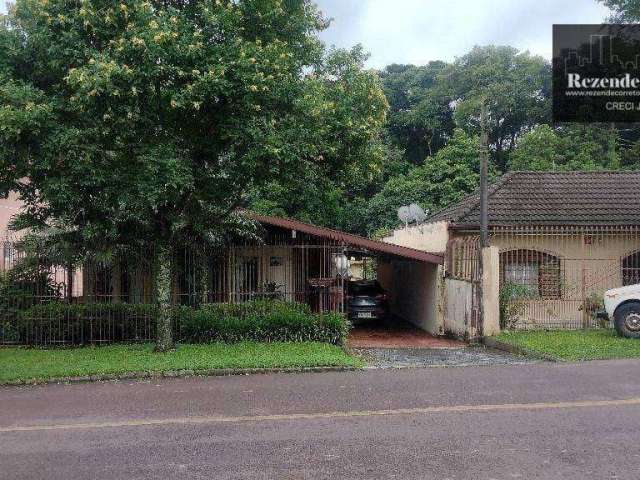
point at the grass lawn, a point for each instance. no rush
(575, 344)
(34, 363)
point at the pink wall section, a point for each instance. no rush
(8, 207)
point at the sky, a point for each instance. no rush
(416, 31)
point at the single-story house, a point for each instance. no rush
(293, 261)
(563, 239)
(301, 262)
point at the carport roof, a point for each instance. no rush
(374, 246)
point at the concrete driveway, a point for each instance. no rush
(464, 356)
(542, 421)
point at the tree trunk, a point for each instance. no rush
(201, 277)
(162, 285)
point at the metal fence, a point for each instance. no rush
(42, 302)
(555, 277)
(463, 258)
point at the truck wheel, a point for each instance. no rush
(627, 320)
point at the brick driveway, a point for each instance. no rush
(401, 336)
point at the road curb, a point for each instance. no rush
(491, 342)
(218, 372)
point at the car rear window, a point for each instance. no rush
(369, 288)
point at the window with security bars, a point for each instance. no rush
(538, 272)
(631, 269)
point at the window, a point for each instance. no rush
(538, 272)
(523, 274)
(631, 269)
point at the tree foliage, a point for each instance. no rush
(444, 178)
(155, 119)
(420, 117)
(515, 87)
(623, 10)
(140, 120)
(570, 147)
(146, 122)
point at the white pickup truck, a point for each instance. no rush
(623, 306)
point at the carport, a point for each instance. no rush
(409, 276)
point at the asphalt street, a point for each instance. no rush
(533, 421)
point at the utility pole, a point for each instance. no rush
(484, 218)
(484, 170)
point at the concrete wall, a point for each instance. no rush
(462, 306)
(429, 237)
(490, 291)
(458, 307)
(413, 292)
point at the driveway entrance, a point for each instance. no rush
(402, 345)
(397, 335)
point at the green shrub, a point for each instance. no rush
(512, 304)
(257, 307)
(259, 320)
(19, 291)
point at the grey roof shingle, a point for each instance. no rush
(554, 198)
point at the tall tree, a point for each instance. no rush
(445, 178)
(140, 122)
(515, 86)
(420, 118)
(569, 147)
(339, 201)
(623, 10)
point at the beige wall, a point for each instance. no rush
(417, 289)
(8, 207)
(429, 237)
(490, 291)
(590, 264)
(413, 291)
(460, 319)
(356, 269)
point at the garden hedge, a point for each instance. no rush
(263, 321)
(259, 320)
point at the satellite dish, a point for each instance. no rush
(404, 214)
(411, 214)
(416, 213)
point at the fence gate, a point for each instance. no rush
(555, 277)
(462, 287)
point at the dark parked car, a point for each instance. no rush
(366, 301)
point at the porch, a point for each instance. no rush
(303, 263)
(291, 261)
